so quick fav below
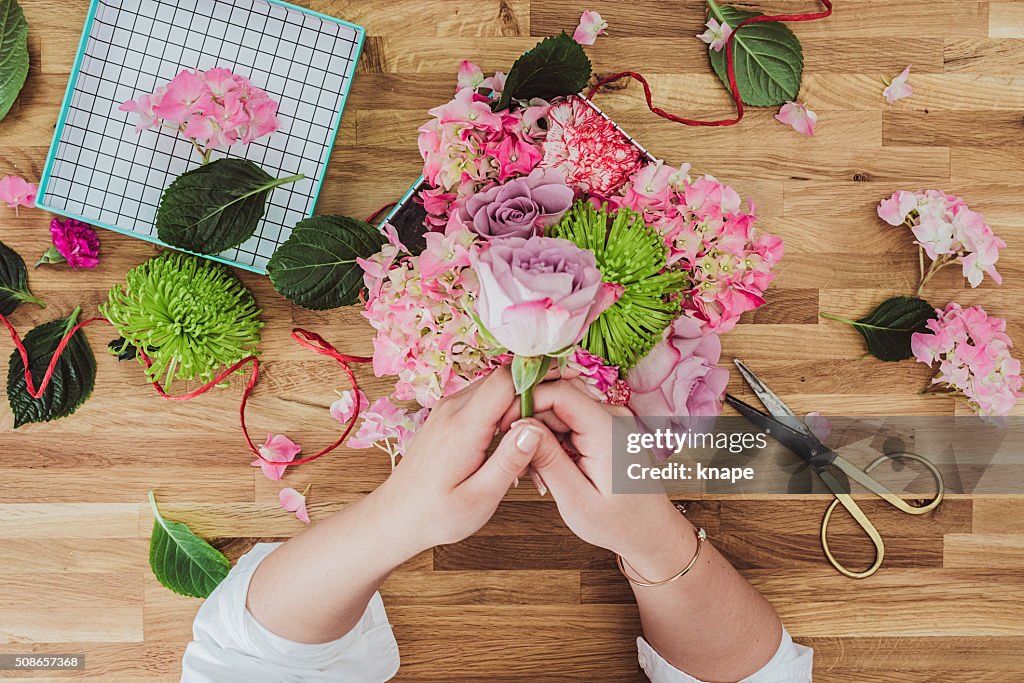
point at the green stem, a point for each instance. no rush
(29, 298)
(72, 319)
(832, 316)
(715, 11)
(526, 403)
(936, 266)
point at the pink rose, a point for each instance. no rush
(538, 296)
(520, 208)
(680, 377)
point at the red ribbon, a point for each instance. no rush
(730, 68)
(304, 338)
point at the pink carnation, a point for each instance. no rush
(76, 242)
(590, 151)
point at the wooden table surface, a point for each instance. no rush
(524, 599)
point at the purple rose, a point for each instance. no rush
(520, 208)
(680, 377)
(538, 296)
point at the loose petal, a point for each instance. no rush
(802, 119)
(591, 26)
(898, 88)
(15, 191)
(717, 34)
(293, 501)
(277, 449)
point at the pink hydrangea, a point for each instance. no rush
(972, 350)
(16, 192)
(947, 231)
(388, 427)
(467, 147)
(420, 308)
(590, 151)
(711, 236)
(214, 108)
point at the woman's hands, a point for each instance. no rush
(645, 529)
(445, 487)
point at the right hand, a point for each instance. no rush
(639, 527)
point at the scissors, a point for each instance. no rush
(784, 426)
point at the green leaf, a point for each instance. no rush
(316, 267)
(13, 53)
(557, 66)
(768, 58)
(528, 371)
(13, 281)
(182, 561)
(216, 206)
(887, 329)
(73, 376)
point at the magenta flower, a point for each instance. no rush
(538, 296)
(74, 243)
(277, 449)
(16, 192)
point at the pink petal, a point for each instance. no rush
(899, 88)
(802, 119)
(16, 191)
(590, 27)
(293, 501)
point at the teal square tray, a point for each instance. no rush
(100, 171)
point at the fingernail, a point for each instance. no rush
(528, 439)
(542, 489)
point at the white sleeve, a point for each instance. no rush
(230, 645)
(792, 663)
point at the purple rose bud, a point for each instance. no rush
(520, 208)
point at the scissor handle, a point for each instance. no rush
(858, 515)
(847, 501)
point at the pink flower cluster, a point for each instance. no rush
(710, 236)
(214, 108)
(419, 306)
(973, 353)
(388, 427)
(467, 148)
(947, 231)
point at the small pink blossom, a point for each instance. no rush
(293, 501)
(591, 26)
(349, 403)
(898, 88)
(593, 370)
(470, 75)
(277, 449)
(15, 191)
(717, 34)
(802, 119)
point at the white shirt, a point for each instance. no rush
(230, 645)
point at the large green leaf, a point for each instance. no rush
(887, 330)
(557, 66)
(316, 267)
(13, 53)
(182, 561)
(216, 206)
(13, 281)
(768, 58)
(73, 376)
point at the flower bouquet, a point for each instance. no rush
(540, 233)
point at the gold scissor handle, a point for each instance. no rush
(847, 501)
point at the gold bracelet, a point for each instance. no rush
(701, 537)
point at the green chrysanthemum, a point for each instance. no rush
(191, 316)
(631, 254)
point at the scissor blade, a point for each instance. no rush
(806, 446)
(771, 401)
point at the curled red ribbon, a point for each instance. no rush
(730, 68)
(304, 338)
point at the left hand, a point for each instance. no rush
(445, 487)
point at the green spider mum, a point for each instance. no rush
(191, 316)
(631, 254)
